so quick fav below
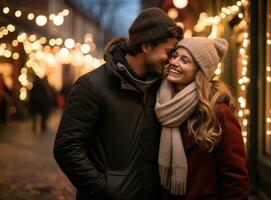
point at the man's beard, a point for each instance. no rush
(152, 69)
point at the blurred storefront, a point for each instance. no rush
(49, 38)
(246, 69)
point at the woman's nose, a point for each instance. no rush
(174, 61)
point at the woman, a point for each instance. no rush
(202, 153)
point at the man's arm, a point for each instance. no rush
(76, 128)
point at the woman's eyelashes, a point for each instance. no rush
(183, 58)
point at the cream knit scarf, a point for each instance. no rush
(172, 110)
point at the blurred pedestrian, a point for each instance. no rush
(202, 152)
(108, 138)
(39, 103)
(5, 93)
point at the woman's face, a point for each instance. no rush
(182, 68)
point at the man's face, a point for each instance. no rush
(156, 57)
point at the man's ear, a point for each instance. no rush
(145, 47)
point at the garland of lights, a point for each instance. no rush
(226, 14)
(41, 20)
(40, 53)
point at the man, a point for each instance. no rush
(108, 139)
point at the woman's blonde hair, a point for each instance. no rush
(204, 124)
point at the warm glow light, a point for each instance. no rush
(244, 62)
(246, 79)
(218, 71)
(21, 37)
(23, 93)
(59, 41)
(245, 42)
(240, 113)
(242, 51)
(42, 40)
(6, 10)
(268, 41)
(240, 15)
(32, 38)
(244, 133)
(65, 12)
(180, 3)
(245, 35)
(5, 32)
(180, 24)
(15, 56)
(173, 13)
(41, 20)
(52, 42)
(58, 20)
(18, 13)
(245, 122)
(11, 28)
(69, 43)
(222, 15)
(88, 58)
(85, 48)
(7, 54)
(188, 33)
(52, 16)
(30, 16)
(15, 43)
(64, 52)
(234, 8)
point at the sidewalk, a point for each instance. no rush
(28, 169)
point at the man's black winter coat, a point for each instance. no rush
(108, 138)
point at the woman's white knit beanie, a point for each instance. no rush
(207, 52)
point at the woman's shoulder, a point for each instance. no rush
(222, 107)
(223, 111)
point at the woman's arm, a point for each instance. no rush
(231, 156)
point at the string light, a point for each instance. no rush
(41, 56)
(40, 20)
(225, 15)
(5, 30)
(18, 13)
(6, 10)
(173, 13)
(30, 16)
(15, 43)
(58, 20)
(180, 3)
(85, 48)
(69, 43)
(15, 56)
